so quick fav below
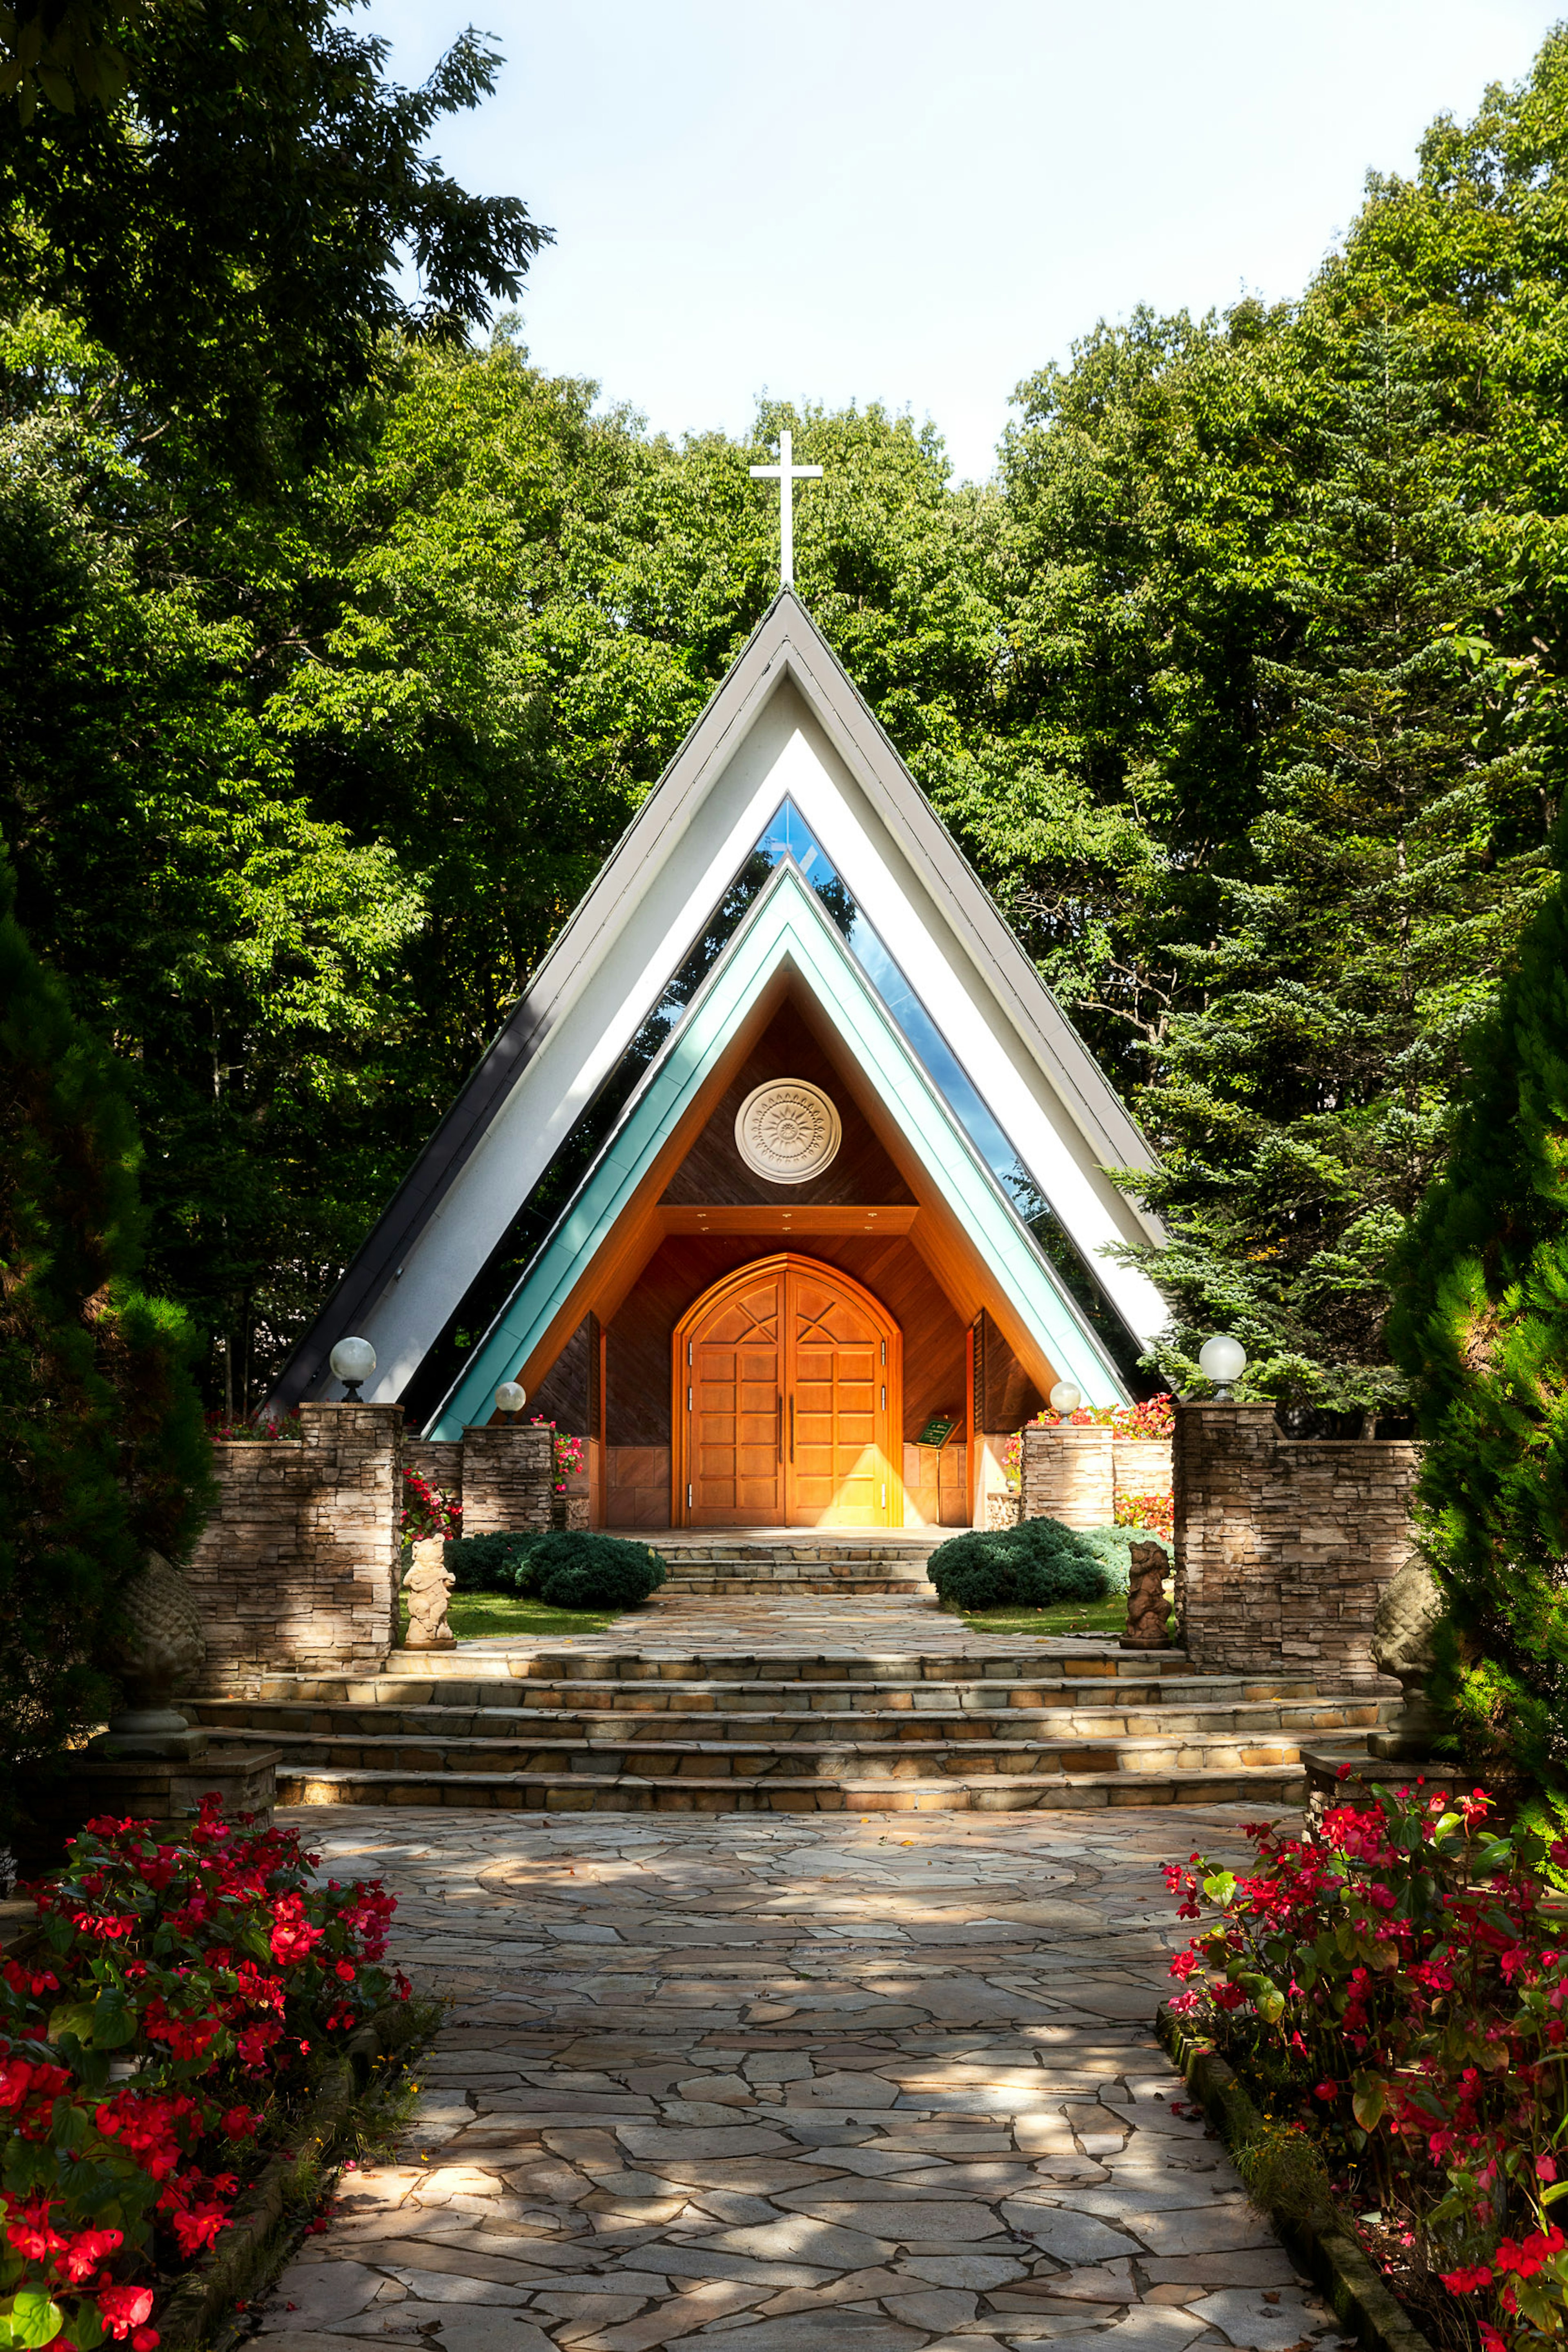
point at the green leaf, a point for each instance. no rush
(30, 2318)
(1369, 2100)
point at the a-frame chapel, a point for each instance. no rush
(784, 1185)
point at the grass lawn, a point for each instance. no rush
(475, 1614)
(1098, 1617)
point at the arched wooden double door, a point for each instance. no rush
(788, 1402)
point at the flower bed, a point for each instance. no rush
(1154, 1418)
(1154, 1512)
(157, 2036)
(1392, 1988)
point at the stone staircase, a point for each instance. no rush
(717, 1729)
(713, 1565)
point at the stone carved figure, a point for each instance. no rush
(1403, 1644)
(1148, 1608)
(159, 1651)
(427, 1588)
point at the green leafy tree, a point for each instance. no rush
(231, 227)
(1303, 1106)
(103, 1457)
(1481, 1329)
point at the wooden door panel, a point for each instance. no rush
(733, 1387)
(788, 1404)
(842, 1473)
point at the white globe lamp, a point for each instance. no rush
(511, 1397)
(1222, 1360)
(353, 1360)
(1065, 1399)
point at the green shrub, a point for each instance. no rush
(490, 1563)
(1032, 1565)
(564, 1568)
(575, 1570)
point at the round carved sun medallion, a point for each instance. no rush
(787, 1130)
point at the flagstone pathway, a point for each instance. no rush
(820, 2083)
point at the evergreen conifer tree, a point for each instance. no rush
(1303, 1108)
(1480, 1327)
(103, 1457)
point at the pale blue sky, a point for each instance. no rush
(893, 200)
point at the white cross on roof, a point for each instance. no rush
(786, 473)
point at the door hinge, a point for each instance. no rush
(885, 1498)
(885, 1351)
(688, 1396)
(688, 1351)
(688, 1499)
(885, 1396)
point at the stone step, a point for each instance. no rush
(852, 1757)
(510, 1698)
(802, 1726)
(728, 1584)
(690, 1793)
(472, 1662)
(679, 1547)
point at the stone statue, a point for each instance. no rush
(427, 1588)
(1403, 1645)
(159, 1651)
(1148, 1608)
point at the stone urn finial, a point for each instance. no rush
(427, 1588)
(1404, 1645)
(1146, 1606)
(158, 1652)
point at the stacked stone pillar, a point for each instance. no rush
(297, 1568)
(1284, 1546)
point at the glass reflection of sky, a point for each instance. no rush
(791, 836)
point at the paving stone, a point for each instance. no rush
(825, 2331)
(488, 2331)
(934, 2306)
(320, 2292)
(962, 2269)
(806, 2238)
(1200, 2232)
(1246, 2267)
(1244, 2319)
(1070, 2237)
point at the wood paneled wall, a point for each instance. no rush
(713, 1172)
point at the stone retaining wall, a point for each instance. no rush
(1069, 1474)
(1284, 1545)
(298, 1566)
(508, 1479)
(1075, 1474)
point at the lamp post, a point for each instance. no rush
(353, 1361)
(1064, 1400)
(1222, 1360)
(510, 1398)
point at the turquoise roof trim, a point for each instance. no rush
(787, 926)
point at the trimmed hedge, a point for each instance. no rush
(565, 1568)
(1032, 1565)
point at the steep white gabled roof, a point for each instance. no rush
(786, 723)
